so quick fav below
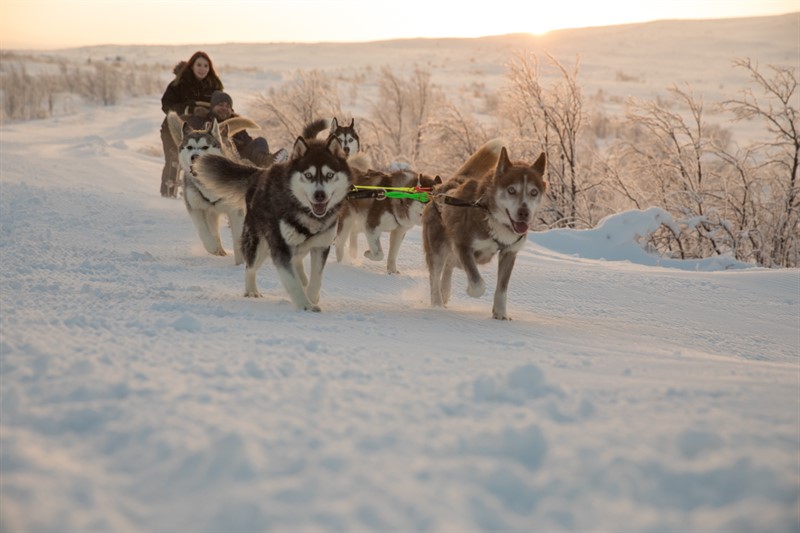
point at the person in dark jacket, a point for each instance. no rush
(256, 150)
(188, 94)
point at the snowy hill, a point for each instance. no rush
(139, 391)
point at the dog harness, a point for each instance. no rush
(420, 194)
(458, 202)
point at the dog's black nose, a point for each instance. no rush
(320, 196)
(195, 156)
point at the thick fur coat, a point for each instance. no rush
(292, 210)
(204, 207)
(377, 216)
(485, 209)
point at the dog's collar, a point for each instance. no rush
(200, 191)
(503, 246)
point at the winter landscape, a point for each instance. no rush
(140, 391)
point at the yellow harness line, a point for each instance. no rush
(403, 189)
(420, 194)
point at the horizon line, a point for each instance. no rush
(30, 47)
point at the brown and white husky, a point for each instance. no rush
(377, 216)
(485, 209)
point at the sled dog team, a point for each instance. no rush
(300, 202)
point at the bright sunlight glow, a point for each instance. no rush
(43, 24)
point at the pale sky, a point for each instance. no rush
(46, 24)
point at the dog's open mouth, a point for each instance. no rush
(319, 208)
(520, 227)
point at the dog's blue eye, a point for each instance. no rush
(512, 191)
(329, 175)
(534, 192)
(308, 175)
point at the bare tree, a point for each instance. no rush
(451, 136)
(669, 160)
(744, 208)
(104, 84)
(308, 96)
(389, 113)
(777, 105)
(26, 96)
(403, 108)
(549, 120)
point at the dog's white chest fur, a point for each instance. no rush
(483, 250)
(320, 236)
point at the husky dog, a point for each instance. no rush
(347, 135)
(292, 209)
(376, 216)
(204, 207)
(487, 208)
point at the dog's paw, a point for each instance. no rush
(498, 316)
(220, 252)
(476, 290)
(313, 308)
(374, 256)
(252, 294)
(392, 271)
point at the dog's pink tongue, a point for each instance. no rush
(319, 209)
(519, 227)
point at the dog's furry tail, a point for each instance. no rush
(237, 124)
(312, 129)
(225, 178)
(483, 160)
(175, 126)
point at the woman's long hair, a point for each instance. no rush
(184, 70)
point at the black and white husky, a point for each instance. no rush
(348, 136)
(205, 208)
(292, 211)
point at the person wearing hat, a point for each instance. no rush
(255, 150)
(188, 94)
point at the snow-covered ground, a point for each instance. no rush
(139, 391)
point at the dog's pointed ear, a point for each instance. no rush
(352, 122)
(335, 147)
(334, 124)
(540, 164)
(300, 148)
(437, 180)
(503, 162)
(215, 129)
